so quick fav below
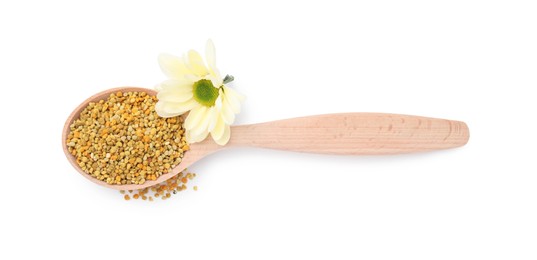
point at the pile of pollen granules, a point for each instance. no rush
(121, 140)
(164, 190)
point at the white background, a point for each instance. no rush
(474, 61)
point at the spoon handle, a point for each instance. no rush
(354, 134)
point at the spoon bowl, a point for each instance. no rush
(344, 134)
(196, 151)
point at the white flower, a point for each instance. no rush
(198, 87)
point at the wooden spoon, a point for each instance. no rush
(345, 134)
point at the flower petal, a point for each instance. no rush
(207, 119)
(227, 113)
(216, 78)
(176, 84)
(210, 55)
(218, 129)
(175, 95)
(225, 136)
(192, 78)
(196, 64)
(160, 110)
(234, 99)
(214, 118)
(195, 138)
(194, 117)
(172, 66)
(240, 97)
(217, 81)
(218, 102)
(173, 108)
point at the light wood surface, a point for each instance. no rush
(345, 134)
(354, 134)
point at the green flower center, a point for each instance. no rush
(205, 92)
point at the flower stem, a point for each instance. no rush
(228, 78)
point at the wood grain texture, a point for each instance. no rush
(354, 134)
(345, 134)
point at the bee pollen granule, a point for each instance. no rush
(164, 190)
